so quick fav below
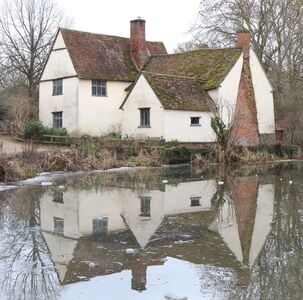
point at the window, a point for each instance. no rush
(100, 225)
(195, 121)
(57, 87)
(99, 88)
(195, 201)
(144, 117)
(57, 119)
(58, 197)
(58, 225)
(145, 206)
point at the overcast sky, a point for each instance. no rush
(166, 20)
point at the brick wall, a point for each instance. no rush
(245, 129)
(268, 138)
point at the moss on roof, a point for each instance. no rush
(208, 65)
(180, 93)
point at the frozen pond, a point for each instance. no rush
(167, 233)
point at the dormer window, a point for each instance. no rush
(57, 87)
(99, 88)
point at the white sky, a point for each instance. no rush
(166, 20)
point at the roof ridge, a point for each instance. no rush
(103, 34)
(170, 75)
(195, 50)
(93, 33)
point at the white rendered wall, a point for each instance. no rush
(178, 198)
(142, 96)
(143, 227)
(67, 103)
(98, 205)
(226, 96)
(263, 95)
(177, 126)
(100, 115)
(59, 63)
(68, 211)
(263, 220)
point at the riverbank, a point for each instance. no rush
(29, 163)
(32, 160)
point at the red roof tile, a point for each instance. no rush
(99, 56)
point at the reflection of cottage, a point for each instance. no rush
(172, 221)
(69, 215)
(94, 84)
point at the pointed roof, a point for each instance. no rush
(208, 65)
(104, 57)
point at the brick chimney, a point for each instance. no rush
(243, 41)
(138, 46)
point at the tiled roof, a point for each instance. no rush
(180, 93)
(98, 56)
(208, 65)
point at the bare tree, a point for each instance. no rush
(190, 45)
(27, 29)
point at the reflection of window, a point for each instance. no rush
(100, 226)
(145, 206)
(58, 225)
(195, 201)
(58, 197)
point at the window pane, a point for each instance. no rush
(195, 120)
(58, 197)
(145, 206)
(195, 201)
(57, 119)
(58, 225)
(144, 116)
(57, 87)
(100, 226)
(99, 88)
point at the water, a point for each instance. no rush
(205, 234)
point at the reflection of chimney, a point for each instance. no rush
(244, 193)
(139, 276)
(243, 277)
(243, 41)
(138, 45)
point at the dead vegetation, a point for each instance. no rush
(30, 162)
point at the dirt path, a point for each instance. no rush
(9, 145)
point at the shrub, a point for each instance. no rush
(55, 131)
(33, 130)
(174, 143)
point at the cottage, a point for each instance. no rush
(95, 84)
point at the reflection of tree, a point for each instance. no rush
(25, 267)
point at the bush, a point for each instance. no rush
(35, 130)
(55, 131)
